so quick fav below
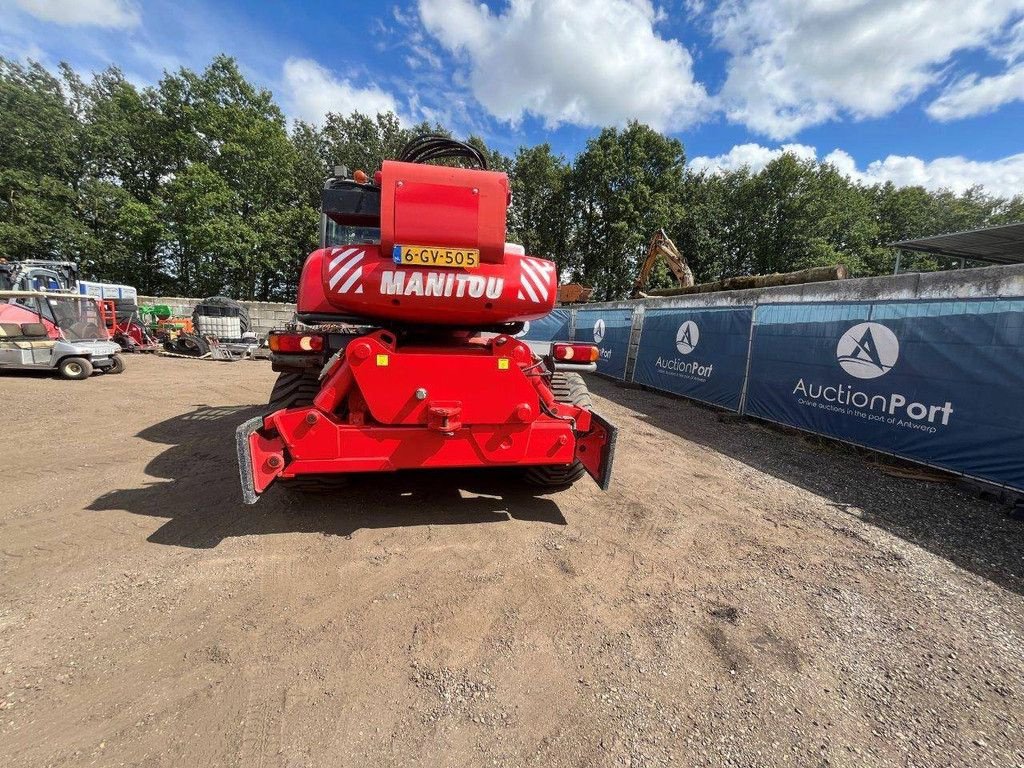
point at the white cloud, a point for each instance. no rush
(752, 156)
(798, 63)
(584, 62)
(116, 14)
(972, 96)
(1011, 47)
(1003, 177)
(311, 91)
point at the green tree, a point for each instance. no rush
(210, 238)
(539, 216)
(197, 185)
(39, 165)
(624, 186)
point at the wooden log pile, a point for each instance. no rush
(742, 282)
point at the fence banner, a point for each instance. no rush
(935, 381)
(609, 329)
(553, 327)
(699, 353)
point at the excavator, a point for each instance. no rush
(661, 246)
(404, 354)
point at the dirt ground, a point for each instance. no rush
(739, 597)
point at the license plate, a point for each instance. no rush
(436, 256)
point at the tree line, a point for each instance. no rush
(198, 186)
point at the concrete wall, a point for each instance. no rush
(265, 316)
(983, 282)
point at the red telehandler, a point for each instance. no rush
(405, 356)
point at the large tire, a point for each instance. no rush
(76, 368)
(293, 390)
(188, 344)
(222, 301)
(571, 389)
(297, 390)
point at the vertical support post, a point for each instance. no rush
(636, 325)
(750, 348)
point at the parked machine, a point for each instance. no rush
(219, 329)
(126, 328)
(406, 358)
(163, 325)
(55, 331)
(662, 247)
(38, 275)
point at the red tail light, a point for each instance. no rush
(575, 353)
(295, 342)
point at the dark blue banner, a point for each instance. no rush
(935, 381)
(553, 327)
(609, 329)
(699, 353)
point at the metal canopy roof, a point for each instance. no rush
(994, 245)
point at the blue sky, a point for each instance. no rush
(913, 91)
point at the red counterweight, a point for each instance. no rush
(362, 280)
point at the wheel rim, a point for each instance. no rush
(74, 369)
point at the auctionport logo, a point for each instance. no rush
(868, 350)
(687, 337)
(599, 331)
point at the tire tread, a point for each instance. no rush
(296, 390)
(571, 389)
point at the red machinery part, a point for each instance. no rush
(474, 277)
(132, 336)
(445, 206)
(364, 280)
(406, 409)
(440, 398)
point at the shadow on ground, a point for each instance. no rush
(198, 491)
(973, 533)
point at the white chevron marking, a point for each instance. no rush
(336, 277)
(342, 257)
(539, 282)
(351, 280)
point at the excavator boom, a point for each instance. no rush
(661, 245)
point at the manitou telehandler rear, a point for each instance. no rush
(405, 355)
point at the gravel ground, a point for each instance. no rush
(740, 597)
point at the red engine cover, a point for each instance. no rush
(363, 280)
(438, 205)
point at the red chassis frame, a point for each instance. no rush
(383, 408)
